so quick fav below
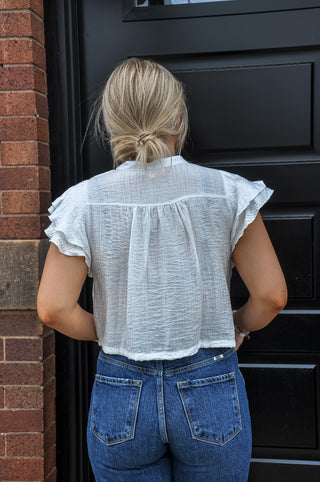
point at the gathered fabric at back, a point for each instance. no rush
(158, 244)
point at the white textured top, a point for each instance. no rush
(158, 245)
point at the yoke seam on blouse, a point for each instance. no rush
(172, 201)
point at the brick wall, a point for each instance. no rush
(27, 363)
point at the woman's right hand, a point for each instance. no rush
(239, 340)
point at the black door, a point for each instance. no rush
(251, 71)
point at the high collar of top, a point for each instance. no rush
(165, 162)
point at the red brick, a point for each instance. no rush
(52, 477)
(24, 397)
(1, 397)
(15, 24)
(25, 178)
(49, 412)
(21, 421)
(22, 51)
(35, 5)
(49, 460)
(20, 373)
(18, 128)
(37, 28)
(48, 345)
(50, 436)
(41, 105)
(22, 153)
(1, 349)
(42, 129)
(27, 469)
(24, 128)
(49, 391)
(44, 179)
(23, 349)
(17, 103)
(23, 103)
(25, 202)
(17, 323)
(21, 24)
(46, 329)
(21, 202)
(45, 201)
(40, 80)
(23, 77)
(49, 369)
(19, 178)
(44, 223)
(2, 445)
(44, 154)
(24, 445)
(20, 227)
(19, 153)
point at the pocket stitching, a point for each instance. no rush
(122, 382)
(206, 381)
(197, 383)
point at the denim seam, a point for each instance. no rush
(200, 382)
(152, 371)
(118, 381)
(161, 410)
(169, 371)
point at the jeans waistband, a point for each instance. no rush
(203, 357)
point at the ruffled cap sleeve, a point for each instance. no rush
(68, 224)
(247, 198)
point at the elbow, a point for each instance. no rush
(275, 300)
(53, 312)
(47, 314)
(279, 300)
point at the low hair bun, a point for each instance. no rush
(143, 138)
(142, 107)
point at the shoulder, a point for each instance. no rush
(236, 185)
(212, 171)
(82, 191)
(230, 178)
(204, 171)
(73, 191)
(225, 179)
(99, 187)
(236, 188)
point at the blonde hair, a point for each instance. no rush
(142, 105)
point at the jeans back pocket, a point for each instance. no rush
(212, 408)
(115, 403)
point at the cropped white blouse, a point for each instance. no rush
(158, 245)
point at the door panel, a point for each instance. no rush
(240, 104)
(263, 107)
(251, 72)
(284, 470)
(277, 392)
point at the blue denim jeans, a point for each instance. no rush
(176, 420)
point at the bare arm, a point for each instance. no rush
(61, 283)
(259, 268)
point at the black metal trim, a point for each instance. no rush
(130, 12)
